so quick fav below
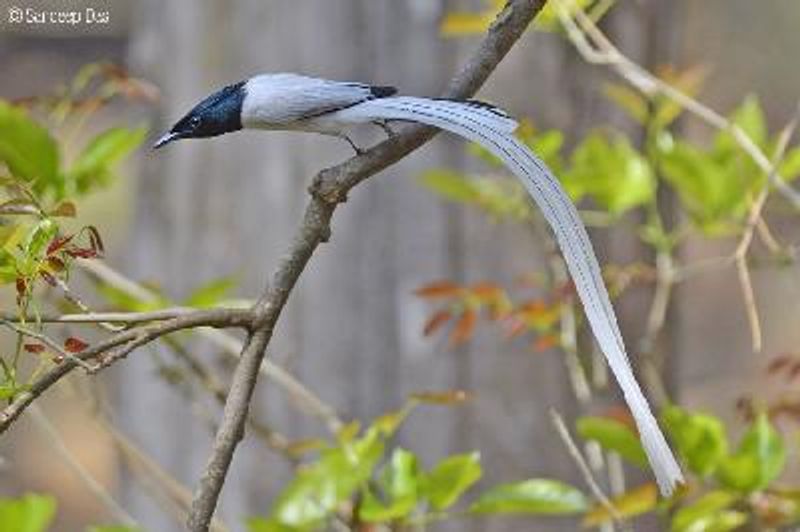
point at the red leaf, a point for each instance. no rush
(75, 345)
(778, 364)
(464, 328)
(95, 240)
(34, 348)
(436, 321)
(21, 285)
(58, 243)
(439, 289)
(83, 253)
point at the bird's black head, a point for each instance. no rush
(219, 113)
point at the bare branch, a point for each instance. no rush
(330, 188)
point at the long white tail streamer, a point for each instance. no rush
(493, 131)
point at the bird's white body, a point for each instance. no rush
(301, 103)
(293, 102)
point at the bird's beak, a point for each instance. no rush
(166, 139)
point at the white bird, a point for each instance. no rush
(300, 103)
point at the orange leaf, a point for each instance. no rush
(464, 328)
(34, 348)
(439, 289)
(545, 342)
(486, 291)
(539, 314)
(448, 397)
(436, 321)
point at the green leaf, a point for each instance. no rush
(628, 99)
(699, 439)
(97, 160)
(712, 189)
(400, 482)
(450, 185)
(388, 423)
(759, 460)
(461, 24)
(750, 117)
(39, 237)
(449, 479)
(790, 167)
(707, 514)
(666, 109)
(26, 147)
(29, 513)
(547, 19)
(612, 172)
(124, 301)
(502, 198)
(615, 436)
(635, 502)
(260, 524)
(210, 294)
(535, 496)
(318, 489)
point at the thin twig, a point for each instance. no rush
(73, 298)
(230, 346)
(223, 318)
(176, 493)
(740, 255)
(49, 342)
(583, 467)
(54, 438)
(128, 318)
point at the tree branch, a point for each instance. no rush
(125, 341)
(330, 187)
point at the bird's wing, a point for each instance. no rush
(284, 99)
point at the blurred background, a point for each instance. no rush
(352, 332)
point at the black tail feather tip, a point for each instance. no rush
(382, 91)
(480, 105)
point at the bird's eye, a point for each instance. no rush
(195, 121)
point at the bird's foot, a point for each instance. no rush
(384, 125)
(359, 151)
